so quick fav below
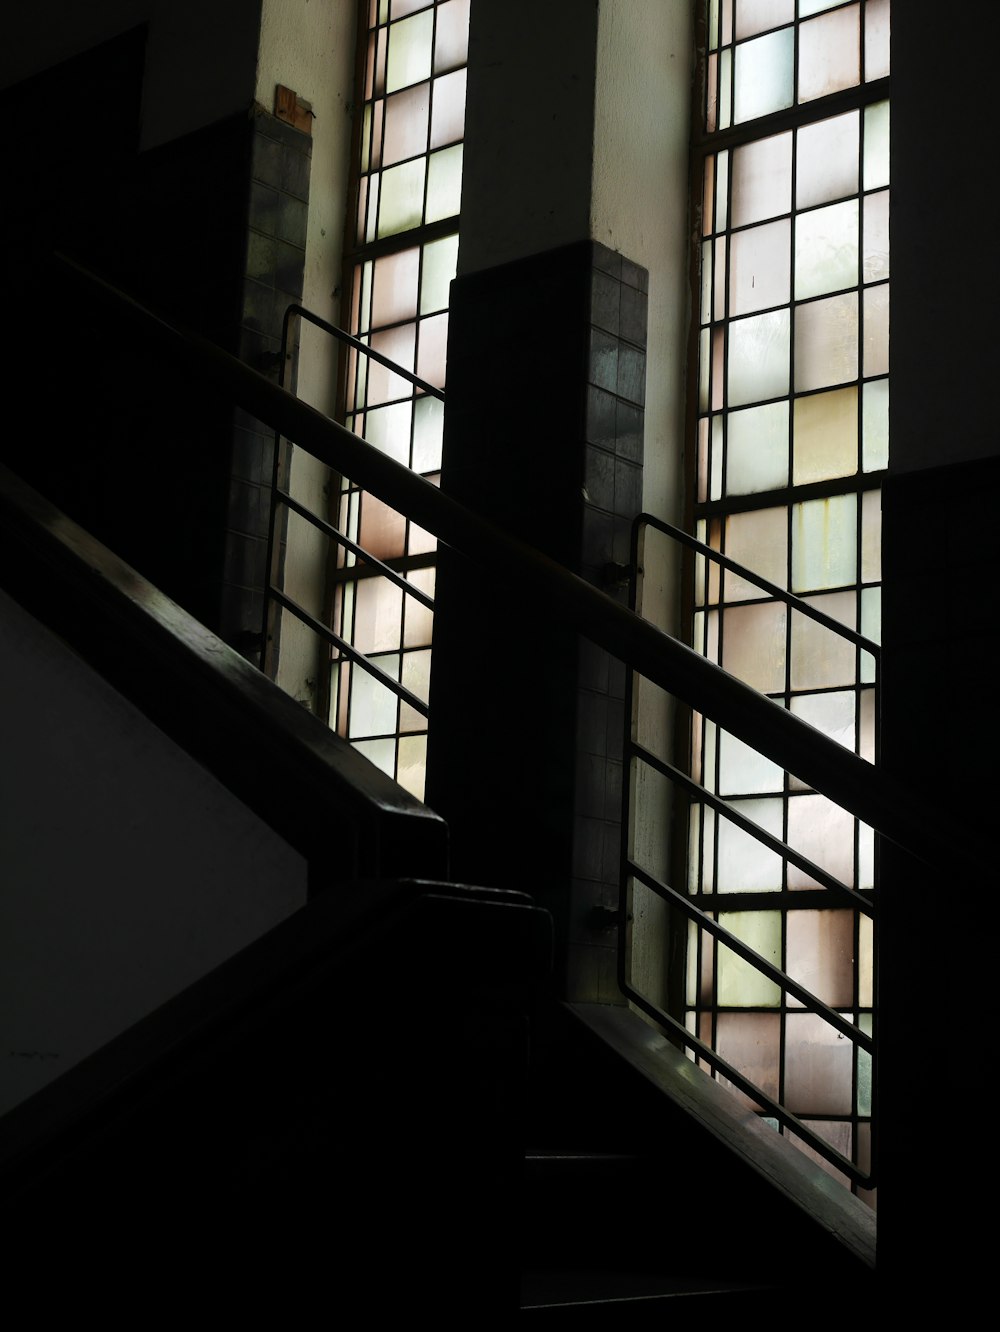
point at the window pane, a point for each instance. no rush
(876, 168)
(448, 116)
(764, 75)
(753, 645)
(745, 864)
(821, 658)
(826, 436)
(758, 449)
(758, 358)
(395, 287)
(818, 1066)
(875, 425)
(740, 984)
(820, 953)
(875, 262)
(759, 268)
(751, 1042)
(762, 179)
(826, 249)
(826, 160)
(753, 16)
(406, 124)
(409, 59)
(824, 543)
(830, 53)
(877, 330)
(444, 183)
(440, 264)
(758, 540)
(823, 833)
(826, 342)
(451, 46)
(402, 198)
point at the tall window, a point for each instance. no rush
(402, 254)
(792, 167)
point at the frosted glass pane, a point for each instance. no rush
(412, 764)
(759, 267)
(432, 349)
(871, 536)
(705, 305)
(383, 530)
(452, 46)
(702, 462)
(875, 262)
(758, 358)
(826, 342)
(428, 426)
(826, 249)
(865, 1069)
(418, 630)
(826, 436)
(722, 192)
(366, 291)
(876, 168)
(712, 94)
(745, 864)
(830, 53)
(753, 645)
(368, 219)
(708, 198)
(821, 658)
(764, 81)
(377, 615)
(400, 8)
(877, 330)
(871, 613)
(827, 160)
(809, 7)
(866, 856)
(824, 543)
(440, 263)
(866, 726)
(718, 307)
(818, 1066)
(409, 59)
(833, 714)
(866, 962)
(448, 116)
(758, 540)
(741, 985)
(758, 449)
(753, 16)
(388, 429)
(820, 955)
(385, 385)
(420, 542)
(373, 706)
(704, 369)
(395, 293)
(380, 752)
(715, 489)
(762, 179)
(876, 39)
(824, 833)
(406, 124)
(725, 89)
(444, 183)
(838, 1134)
(718, 358)
(751, 1043)
(875, 425)
(742, 771)
(402, 198)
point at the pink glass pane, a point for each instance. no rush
(823, 833)
(383, 531)
(751, 1042)
(406, 124)
(826, 342)
(821, 658)
(875, 253)
(877, 330)
(419, 622)
(876, 39)
(827, 160)
(838, 1134)
(818, 1067)
(754, 16)
(759, 540)
(753, 645)
(820, 955)
(830, 53)
(762, 180)
(451, 43)
(432, 352)
(718, 361)
(377, 619)
(394, 296)
(385, 385)
(448, 115)
(708, 210)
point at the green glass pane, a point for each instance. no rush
(826, 436)
(826, 342)
(713, 24)
(757, 457)
(428, 426)
(759, 267)
(758, 358)
(745, 864)
(876, 165)
(444, 183)
(875, 257)
(759, 541)
(826, 160)
(366, 293)
(740, 984)
(380, 752)
(409, 58)
(440, 264)
(366, 134)
(826, 249)
(753, 645)
(402, 198)
(830, 53)
(875, 425)
(762, 180)
(824, 543)
(764, 81)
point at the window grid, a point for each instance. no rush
(791, 443)
(403, 243)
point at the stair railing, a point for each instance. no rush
(509, 565)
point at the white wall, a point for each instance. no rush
(126, 870)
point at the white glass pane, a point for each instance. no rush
(824, 543)
(745, 864)
(373, 706)
(826, 342)
(819, 952)
(385, 385)
(448, 115)
(826, 249)
(377, 616)
(764, 81)
(762, 179)
(818, 1066)
(823, 833)
(876, 39)
(428, 427)
(380, 752)
(388, 429)
(871, 536)
(758, 358)
(402, 197)
(409, 59)
(827, 160)
(740, 984)
(758, 449)
(753, 16)
(444, 183)
(432, 349)
(742, 771)
(440, 264)
(830, 53)
(866, 963)
(833, 714)
(876, 168)
(759, 267)
(826, 436)
(875, 262)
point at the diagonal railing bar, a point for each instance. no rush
(325, 632)
(350, 341)
(898, 813)
(336, 535)
(704, 796)
(759, 963)
(749, 1089)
